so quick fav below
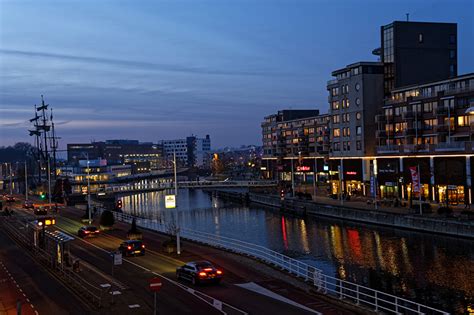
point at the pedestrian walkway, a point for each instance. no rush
(12, 298)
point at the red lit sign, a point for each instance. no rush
(302, 168)
(351, 173)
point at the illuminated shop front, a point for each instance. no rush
(351, 179)
(450, 180)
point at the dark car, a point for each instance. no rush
(40, 211)
(11, 199)
(28, 205)
(132, 248)
(199, 272)
(88, 230)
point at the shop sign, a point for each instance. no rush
(389, 184)
(372, 185)
(351, 173)
(386, 171)
(452, 187)
(303, 168)
(326, 168)
(263, 168)
(415, 179)
(170, 201)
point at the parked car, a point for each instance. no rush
(11, 199)
(132, 248)
(199, 272)
(88, 230)
(28, 205)
(40, 211)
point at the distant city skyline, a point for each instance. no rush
(166, 70)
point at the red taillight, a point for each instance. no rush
(129, 247)
(97, 231)
(202, 274)
(87, 232)
(143, 246)
(219, 272)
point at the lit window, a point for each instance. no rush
(336, 132)
(358, 115)
(420, 38)
(358, 130)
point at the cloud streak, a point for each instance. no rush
(140, 64)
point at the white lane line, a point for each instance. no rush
(252, 286)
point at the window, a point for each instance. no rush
(337, 146)
(388, 112)
(420, 38)
(347, 88)
(358, 130)
(463, 121)
(429, 124)
(452, 39)
(347, 103)
(428, 107)
(357, 86)
(344, 146)
(335, 119)
(334, 91)
(451, 70)
(452, 54)
(358, 145)
(335, 105)
(358, 115)
(348, 145)
(344, 103)
(449, 122)
(336, 132)
(357, 101)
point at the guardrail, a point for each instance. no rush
(351, 292)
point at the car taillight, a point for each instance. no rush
(219, 272)
(202, 274)
(143, 246)
(97, 231)
(87, 232)
(207, 269)
(129, 247)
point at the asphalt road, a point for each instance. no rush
(172, 299)
(46, 293)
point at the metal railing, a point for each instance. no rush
(351, 292)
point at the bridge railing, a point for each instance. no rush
(351, 292)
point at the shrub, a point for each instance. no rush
(107, 219)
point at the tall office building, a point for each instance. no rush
(417, 53)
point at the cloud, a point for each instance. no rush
(139, 64)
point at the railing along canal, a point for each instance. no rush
(345, 290)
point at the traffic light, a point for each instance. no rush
(282, 194)
(42, 196)
(118, 204)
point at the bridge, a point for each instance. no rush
(149, 187)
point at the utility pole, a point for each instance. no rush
(26, 183)
(178, 241)
(292, 179)
(11, 185)
(88, 190)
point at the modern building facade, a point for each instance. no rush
(417, 52)
(191, 151)
(142, 156)
(430, 126)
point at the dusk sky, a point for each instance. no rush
(152, 70)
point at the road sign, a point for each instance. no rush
(155, 284)
(170, 201)
(117, 259)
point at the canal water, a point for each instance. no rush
(431, 269)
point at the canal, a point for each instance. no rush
(431, 269)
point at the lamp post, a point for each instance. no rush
(88, 191)
(178, 241)
(26, 183)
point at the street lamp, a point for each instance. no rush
(178, 242)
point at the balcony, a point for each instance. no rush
(450, 146)
(388, 149)
(409, 132)
(415, 148)
(331, 82)
(380, 118)
(408, 115)
(441, 128)
(441, 111)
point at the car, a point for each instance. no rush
(88, 230)
(11, 199)
(28, 205)
(40, 211)
(199, 272)
(132, 248)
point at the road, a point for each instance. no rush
(43, 291)
(136, 271)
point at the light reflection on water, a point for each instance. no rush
(435, 270)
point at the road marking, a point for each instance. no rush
(252, 286)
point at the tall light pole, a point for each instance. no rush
(26, 183)
(88, 190)
(178, 242)
(11, 185)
